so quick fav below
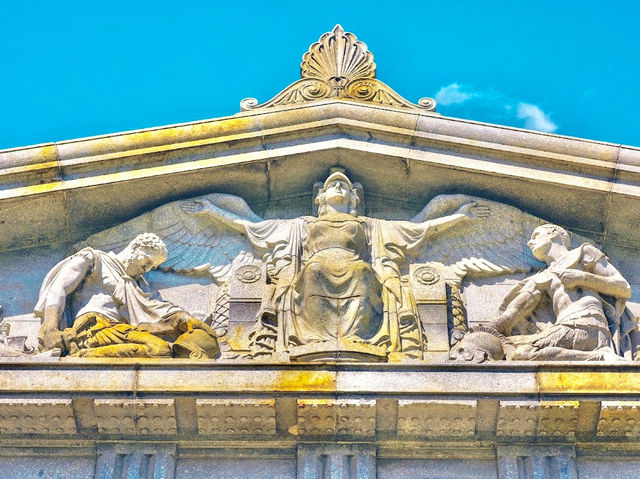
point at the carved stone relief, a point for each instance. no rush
(342, 285)
(587, 295)
(97, 304)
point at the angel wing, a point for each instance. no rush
(197, 243)
(494, 246)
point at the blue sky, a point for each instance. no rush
(75, 69)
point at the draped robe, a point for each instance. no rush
(326, 281)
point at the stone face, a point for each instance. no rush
(374, 393)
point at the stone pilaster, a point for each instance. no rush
(129, 461)
(536, 462)
(326, 461)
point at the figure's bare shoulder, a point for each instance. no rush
(87, 255)
(591, 256)
(79, 263)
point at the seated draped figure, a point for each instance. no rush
(588, 295)
(97, 304)
(337, 276)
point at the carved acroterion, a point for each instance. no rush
(339, 66)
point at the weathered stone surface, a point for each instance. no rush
(135, 417)
(532, 462)
(322, 417)
(433, 418)
(410, 417)
(36, 416)
(236, 417)
(619, 419)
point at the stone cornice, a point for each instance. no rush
(95, 154)
(55, 173)
(273, 406)
(448, 380)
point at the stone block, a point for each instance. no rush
(517, 418)
(128, 417)
(436, 418)
(536, 462)
(557, 419)
(333, 461)
(351, 417)
(37, 416)
(619, 419)
(127, 461)
(233, 417)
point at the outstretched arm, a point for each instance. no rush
(65, 283)
(205, 207)
(468, 212)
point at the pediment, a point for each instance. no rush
(77, 187)
(337, 114)
(333, 266)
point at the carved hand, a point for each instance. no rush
(474, 211)
(50, 338)
(187, 324)
(194, 206)
(573, 278)
(395, 288)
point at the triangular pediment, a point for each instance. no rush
(337, 114)
(77, 187)
(356, 356)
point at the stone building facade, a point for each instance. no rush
(429, 360)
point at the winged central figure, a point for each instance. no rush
(338, 276)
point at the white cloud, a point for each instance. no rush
(452, 94)
(534, 118)
(493, 106)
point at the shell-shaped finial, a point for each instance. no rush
(339, 57)
(341, 67)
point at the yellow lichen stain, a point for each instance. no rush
(305, 381)
(40, 166)
(46, 153)
(560, 404)
(226, 126)
(16, 170)
(32, 190)
(592, 382)
(172, 135)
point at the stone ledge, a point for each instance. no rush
(137, 399)
(64, 186)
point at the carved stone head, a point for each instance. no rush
(339, 192)
(146, 252)
(543, 239)
(481, 344)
